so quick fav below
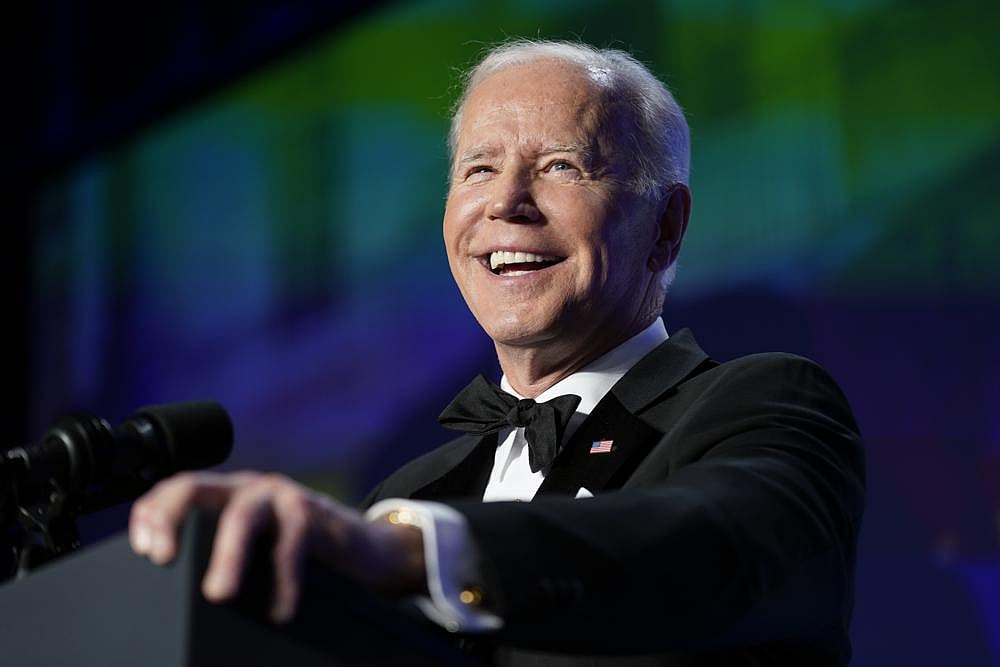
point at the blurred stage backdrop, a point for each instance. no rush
(244, 204)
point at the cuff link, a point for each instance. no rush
(472, 596)
(403, 517)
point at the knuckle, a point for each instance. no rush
(140, 509)
(185, 477)
(274, 480)
(295, 500)
(180, 487)
(244, 477)
(182, 484)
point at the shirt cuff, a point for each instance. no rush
(453, 575)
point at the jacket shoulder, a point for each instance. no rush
(772, 371)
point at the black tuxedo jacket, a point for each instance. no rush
(722, 531)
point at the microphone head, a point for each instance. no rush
(196, 434)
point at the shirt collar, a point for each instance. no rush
(594, 380)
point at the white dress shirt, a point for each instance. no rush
(512, 478)
(449, 550)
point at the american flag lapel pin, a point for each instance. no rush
(601, 446)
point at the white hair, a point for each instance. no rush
(658, 138)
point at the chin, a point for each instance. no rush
(520, 332)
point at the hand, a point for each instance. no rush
(386, 556)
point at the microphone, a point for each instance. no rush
(82, 459)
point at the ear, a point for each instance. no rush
(673, 220)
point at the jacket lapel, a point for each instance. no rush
(659, 372)
(616, 418)
(464, 471)
(577, 465)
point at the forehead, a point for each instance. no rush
(533, 105)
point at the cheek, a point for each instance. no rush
(460, 215)
(605, 246)
(614, 252)
(629, 262)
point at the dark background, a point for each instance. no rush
(242, 201)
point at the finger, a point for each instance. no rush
(156, 516)
(248, 512)
(293, 509)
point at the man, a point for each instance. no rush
(690, 513)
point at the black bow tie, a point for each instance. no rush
(483, 408)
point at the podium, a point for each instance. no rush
(104, 606)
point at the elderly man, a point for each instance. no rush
(683, 511)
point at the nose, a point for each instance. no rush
(512, 200)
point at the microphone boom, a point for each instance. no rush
(82, 465)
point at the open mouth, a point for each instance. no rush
(516, 263)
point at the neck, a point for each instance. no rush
(531, 369)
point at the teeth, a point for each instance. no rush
(504, 257)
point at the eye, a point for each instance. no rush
(478, 172)
(562, 168)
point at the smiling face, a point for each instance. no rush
(547, 243)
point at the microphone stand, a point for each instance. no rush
(82, 465)
(37, 522)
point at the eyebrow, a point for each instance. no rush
(581, 149)
(476, 154)
(479, 152)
